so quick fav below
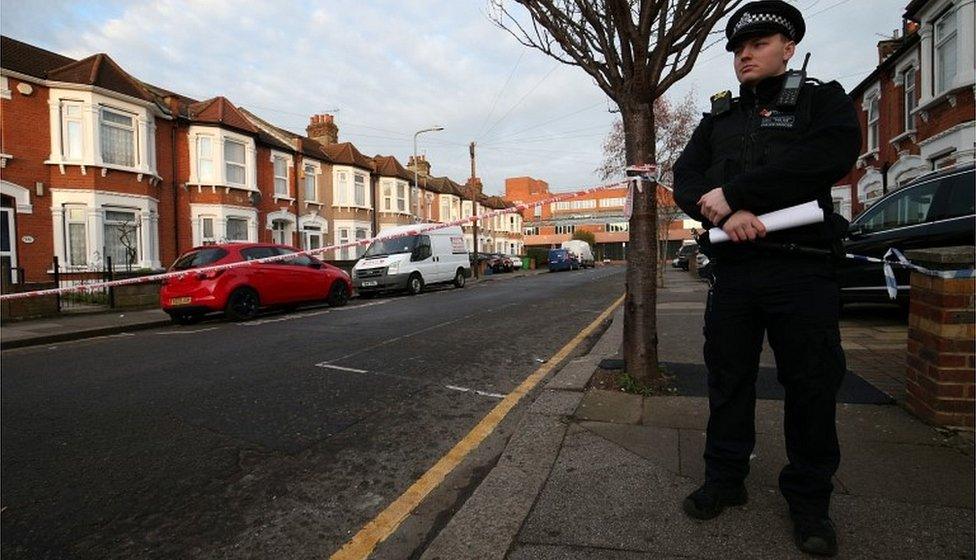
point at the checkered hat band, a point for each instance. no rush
(752, 19)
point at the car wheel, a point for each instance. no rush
(242, 305)
(339, 295)
(415, 284)
(186, 318)
(459, 279)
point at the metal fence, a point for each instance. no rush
(88, 300)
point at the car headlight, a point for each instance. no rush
(394, 268)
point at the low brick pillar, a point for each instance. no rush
(941, 368)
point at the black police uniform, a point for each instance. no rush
(767, 157)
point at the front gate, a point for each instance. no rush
(97, 299)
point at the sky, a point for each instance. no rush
(388, 68)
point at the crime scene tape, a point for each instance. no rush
(421, 228)
(886, 263)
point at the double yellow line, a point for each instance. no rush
(387, 522)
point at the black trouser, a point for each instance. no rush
(795, 302)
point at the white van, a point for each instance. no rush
(412, 262)
(582, 251)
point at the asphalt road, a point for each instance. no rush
(277, 438)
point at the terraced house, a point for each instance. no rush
(100, 167)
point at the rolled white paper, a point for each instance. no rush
(794, 216)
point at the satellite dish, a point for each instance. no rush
(255, 197)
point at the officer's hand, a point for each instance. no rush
(714, 206)
(744, 226)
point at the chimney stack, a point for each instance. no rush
(421, 164)
(323, 129)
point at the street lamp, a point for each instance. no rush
(416, 184)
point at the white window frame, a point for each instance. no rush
(68, 210)
(282, 184)
(873, 122)
(386, 186)
(247, 227)
(310, 182)
(205, 158)
(136, 224)
(942, 41)
(910, 98)
(402, 197)
(360, 186)
(132, 129)
(206, 239)
(66, 152)
(228, 163)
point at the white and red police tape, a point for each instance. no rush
(421, 228)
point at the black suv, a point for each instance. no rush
(934, 210)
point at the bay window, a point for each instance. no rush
(118, 138)
(234, 162)
(207, 230)
(361, 233)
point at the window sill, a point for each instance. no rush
(351, 207)
(278, 197)
(200, 185)
(902, 136)
(103, 166)
(312, 202)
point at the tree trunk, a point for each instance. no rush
(640, 319)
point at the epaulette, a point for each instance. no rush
(721, 102)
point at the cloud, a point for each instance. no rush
(393, 67)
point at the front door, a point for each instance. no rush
(8, 242)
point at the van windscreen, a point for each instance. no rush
(382, 247)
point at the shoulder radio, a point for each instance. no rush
(792, 84)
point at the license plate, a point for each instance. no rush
(180, 300)
(369, 283)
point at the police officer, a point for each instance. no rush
(783, 141)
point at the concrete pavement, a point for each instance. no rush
(597, 474)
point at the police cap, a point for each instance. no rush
(765, 17)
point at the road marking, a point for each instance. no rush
(340, 368)
(189, 332)
(482, 393)
(387, 522)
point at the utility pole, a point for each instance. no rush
(474, 208)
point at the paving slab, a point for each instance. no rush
(575, 375)
(556, 403)
(910, 473)
(691, 413)
(610, 406)
(659, 445)
(491, 517)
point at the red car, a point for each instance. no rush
(241, 292)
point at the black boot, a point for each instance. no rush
(815, 535)
(711, 498)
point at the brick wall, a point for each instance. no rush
(940, 358)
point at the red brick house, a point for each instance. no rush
(916, 108)
(84, 175)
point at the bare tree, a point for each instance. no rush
(635, 50)
(675, 124)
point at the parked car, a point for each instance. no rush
(241, 292)
(498, 262)
(685, 252)
(413, 262)
(704, 267)
(934, 210)
(562, 259)
(516, 261)
(581, 250)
